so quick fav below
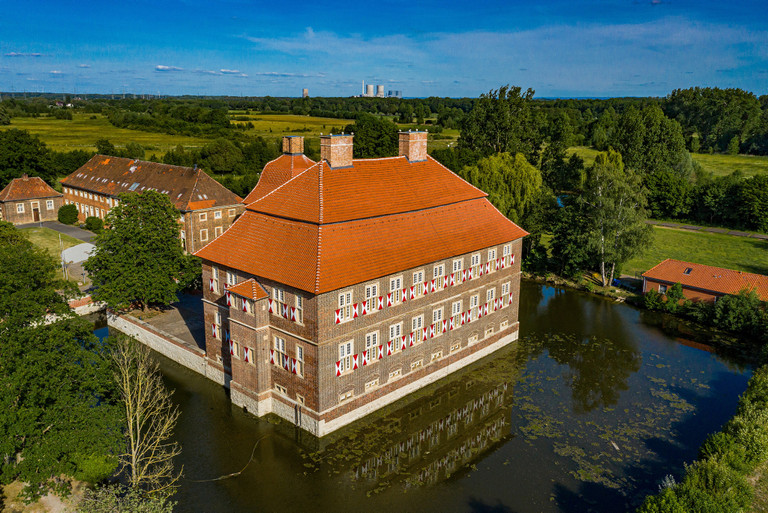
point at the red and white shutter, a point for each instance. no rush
(451, 324)
(445, 326)
(364, 308)
(510, 298)
(365, 357)
(211, 284)
(293, 314)
(380, 302)
(389, 299)
(411, 339)
(389, 348)
(293, 365)
(413, 292)
(380, 353)
(338, 368)
(354, 311)
(453, 279)
(338, 316)
(272, 356)
(246, 355)
(403, 342)
(405, 295)
(229, 298)
(433, 285)
(354, 362)
(287, 364)
(512, 259)
(284, 309)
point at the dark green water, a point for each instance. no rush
(587, 412)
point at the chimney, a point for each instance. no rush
(413, 145)
(293, 144)
(337, 150)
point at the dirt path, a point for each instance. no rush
(711, 229)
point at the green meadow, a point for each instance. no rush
(718, 165)
(85, 129)
(716, 249)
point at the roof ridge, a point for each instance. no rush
(430, 157)
(282, 185)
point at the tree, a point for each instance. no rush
(21, 153)
(94, 224)
(5, 119)
(754, 202)
(68, 214)
(511, 182)
(613, 208)
(58, 412)
(104, 147)
(502, 121)
(139, 259)
(374, 137)
(121, 499)
(150, 417)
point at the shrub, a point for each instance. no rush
(710, 485)
(68, 214)
(665, 502)
(653, 300)
(94, 224)
(675, 298)
(121, 499)
(94, 468)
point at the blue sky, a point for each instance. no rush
(423, 48)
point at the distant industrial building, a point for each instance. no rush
(305, 93)
(370, 92)
(394, 94)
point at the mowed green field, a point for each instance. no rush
(48, 240)
(82, 133)
(277, 125)
(718, 165)
(719, 250)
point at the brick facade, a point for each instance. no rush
(30, 210)
(322, 396)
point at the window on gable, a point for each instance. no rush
(231, 212)
(217, 214)
(203, 235)
(203, 216)
(218, 231)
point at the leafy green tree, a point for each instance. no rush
(511, 182)
(21, 153)
(502, 121)
(222, 156)
(94, 224)
(68, 214)
(104, 147)
(5, 119)
(138, 260)
(134, 150)
(58, 411)
(674, 298)
(754, 202)
(374, 137)
(613, 208)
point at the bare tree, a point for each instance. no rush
(150, 419)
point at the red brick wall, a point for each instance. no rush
(692, 294)
(10, 210)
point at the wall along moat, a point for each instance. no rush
(588, 411)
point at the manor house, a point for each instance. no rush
(349, 283)
(207, 207)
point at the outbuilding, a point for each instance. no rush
(29, 200)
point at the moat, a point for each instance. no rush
(588, 411)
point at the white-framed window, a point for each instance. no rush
(300, 399)
(474, 301)
(203, 235)
(299, 309)
(458, 265)
(437, 318)
(217, 325)
(456, 310)
(281, 389)
(455, 346)
(490, 295)
(345, 396)
(203, 216)
(300, 360)
(278, 294)
(417, 325)
(217, 214)
(231, 278)
(504, 324)
(231, 212)
(345, 306)
(506, 250)
(371, 294)
(109, 202)
(492, 259)
(396, 288)
(475, 260)
(281, 355)
(20, 208)
(49, 204)
(488, 331)
(395, 332)
(345, 356)
(662, 289)
(418, 282)
(90, 196)
(436, 356)
(369, 385)
(218, 230)
(215, 278)
(235, 349)
(472, 339)
(438, 274)
(372, 345)
(395, 373)
(417, 364)
(504, 294)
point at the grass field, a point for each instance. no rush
(82, 133)
(731, 252)
(718, 165)
(49, 240)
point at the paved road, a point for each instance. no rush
(694, 228)
(72, 231)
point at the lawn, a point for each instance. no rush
(719, 165)
(49, 240)
(731, 252)
(277, 125)
(82, 133)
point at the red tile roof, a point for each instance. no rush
(250, 289)
(188, 188)
(714, 279)
(276, 173)
(320, 258)
(370, 188)
(27, 187)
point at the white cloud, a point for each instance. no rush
(161, 67)
(230, 72)
(21, 54)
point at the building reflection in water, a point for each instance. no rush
(450, 426)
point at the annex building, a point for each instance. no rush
(29, 200)
(348, 284)
(207, 207)
(703, 282)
